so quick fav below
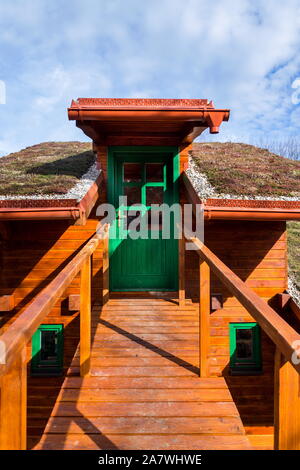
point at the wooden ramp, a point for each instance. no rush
(144, 392)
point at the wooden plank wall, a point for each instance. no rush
(32, 254)
(256, 252)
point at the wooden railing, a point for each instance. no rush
(286, 339)
(13, 342)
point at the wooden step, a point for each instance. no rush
(140, 442)
(145, 425)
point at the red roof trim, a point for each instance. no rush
(253, 203)
(142, 103)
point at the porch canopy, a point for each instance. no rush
(167, 121)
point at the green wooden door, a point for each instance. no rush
(145, 176)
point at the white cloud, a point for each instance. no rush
(243, 55)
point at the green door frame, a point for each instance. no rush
(144, 150)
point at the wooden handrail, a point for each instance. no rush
(281, 333)
(21, 331)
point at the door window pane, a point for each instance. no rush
(154, 195)
(154, 172)
(133, 194)
(132, 172)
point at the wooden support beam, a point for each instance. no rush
(105, 267)
(181, 268)
(74, 302)
(7, 303)
(286, 405)
(13, 400)
(204, 313)
(85, 318)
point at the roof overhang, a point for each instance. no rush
(250, 213)
(176, 120)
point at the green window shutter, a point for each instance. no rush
(47, 350)
(245, 348)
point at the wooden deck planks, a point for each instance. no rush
(144, 391)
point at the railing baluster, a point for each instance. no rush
(181, 293)
(204, 313)
(105, 266)
(286, 405)
(85, 318)
(13, 405)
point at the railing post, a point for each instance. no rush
(204, 313)
(13, 405)
(105, 265)
(85, 318)
(286, 405)
(181, 293)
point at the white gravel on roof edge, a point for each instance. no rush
(206, 191)
(293, 290)
(76, 192)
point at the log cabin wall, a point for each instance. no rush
(257, 253)
(33, 252)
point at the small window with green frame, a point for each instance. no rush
(47, 350)
(245, 348)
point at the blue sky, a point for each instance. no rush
(242, 54)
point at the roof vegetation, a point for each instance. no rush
(242, 169)
(47, 168)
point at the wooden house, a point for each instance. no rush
(143, 344)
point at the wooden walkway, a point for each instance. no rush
(144, 392)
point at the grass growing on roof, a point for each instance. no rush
(47, 168)
(242, 169)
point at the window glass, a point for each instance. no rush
(154, 172)
(244, 343)
(154, 195)
(133, 194)
(48, 345)
(132, 172)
